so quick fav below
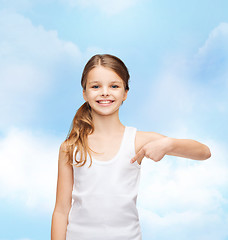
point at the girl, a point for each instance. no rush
(104, 185)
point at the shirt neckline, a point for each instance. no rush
(106, 162)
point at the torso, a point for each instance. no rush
(107, 150)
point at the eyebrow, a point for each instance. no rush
(115, 81)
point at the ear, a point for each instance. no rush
(125, 95)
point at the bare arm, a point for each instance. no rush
(187, 148)
(63, 197)
(155, 146)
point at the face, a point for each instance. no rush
(104, 84)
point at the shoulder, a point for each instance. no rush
(64, 151)
(63, 147)
(142, 138)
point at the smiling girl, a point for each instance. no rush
(100, 161)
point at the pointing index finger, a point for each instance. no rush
(139, 153)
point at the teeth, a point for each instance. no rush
(104, 101)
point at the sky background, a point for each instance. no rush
(177, 56)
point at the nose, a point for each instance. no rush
(104, 91)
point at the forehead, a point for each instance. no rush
(103, 74)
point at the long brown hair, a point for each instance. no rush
(82, 124)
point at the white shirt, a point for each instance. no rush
(104, 196)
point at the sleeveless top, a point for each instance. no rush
(104, 196)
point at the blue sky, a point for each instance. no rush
(177, 56)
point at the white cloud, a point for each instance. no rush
(217, 40)
(211, 61)
(185, 225)
(177, 195)
(30, 58)
(108, 7)
(172, 96)
(182, 198)
(188, 86)
(28, 169)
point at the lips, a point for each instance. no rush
(105, 101)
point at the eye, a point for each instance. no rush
(115, 86)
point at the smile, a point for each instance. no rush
(105, 103)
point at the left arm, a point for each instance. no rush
(187, 148)
(155, 146)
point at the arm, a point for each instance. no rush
(187, 148)
(155, 146)
(63, 197)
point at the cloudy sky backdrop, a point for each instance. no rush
(177, 56)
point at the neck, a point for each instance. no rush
(107, 125)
